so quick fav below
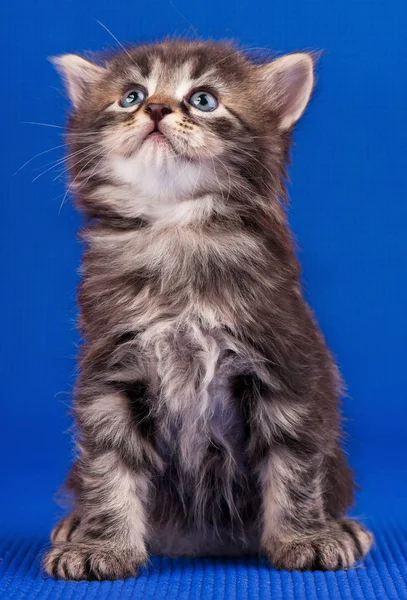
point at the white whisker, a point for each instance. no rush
(43, 124)
(55, 164)
(94, 155)
(115, 38)
(92, 173)
(92, 146)
(36, 156)
(238, 52)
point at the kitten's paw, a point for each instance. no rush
(64, 529)
(83, 561)
(338, 546)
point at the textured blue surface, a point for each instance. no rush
(383, 575)
(349, 214)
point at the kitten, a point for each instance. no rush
(207, 400)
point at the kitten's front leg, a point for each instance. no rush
(296, 532)
(105, 536)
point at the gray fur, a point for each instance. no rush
(207, 400)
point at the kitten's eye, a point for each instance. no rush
(203, 101)
(132, 97)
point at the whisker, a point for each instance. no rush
(238, 52)
(55, 163)
(92, 173)
(115, 38)
(36, 156)
(194, 29)
(236, 184)
(245, 153)
(72, 183)
(58, 162)
(43, 124)
(98, 163)
(92, 146)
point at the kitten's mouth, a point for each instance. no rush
(158, 138)
(156, 135)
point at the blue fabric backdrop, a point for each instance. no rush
(348, 211)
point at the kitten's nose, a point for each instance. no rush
(158, 110)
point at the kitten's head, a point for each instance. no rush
(166, 123)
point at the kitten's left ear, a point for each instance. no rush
(78, 73)
(289, 82)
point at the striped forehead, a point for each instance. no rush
(175, 81)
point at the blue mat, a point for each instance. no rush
(382, 575)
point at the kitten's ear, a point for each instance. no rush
(77, 73)
(289, 81)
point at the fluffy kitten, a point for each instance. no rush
(207, 400)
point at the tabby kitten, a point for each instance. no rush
(207, 400)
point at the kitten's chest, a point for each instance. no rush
(197, 408)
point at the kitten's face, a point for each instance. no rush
(168, 120)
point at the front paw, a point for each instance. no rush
(337, 546)
(92, 561)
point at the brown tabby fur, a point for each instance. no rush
(207, 400)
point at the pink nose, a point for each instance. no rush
(158, 110)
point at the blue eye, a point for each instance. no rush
(132, 97)
(203, 101)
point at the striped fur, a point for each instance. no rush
(207, 399)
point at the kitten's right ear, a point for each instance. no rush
(77, 73)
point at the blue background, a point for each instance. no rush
(348, 211)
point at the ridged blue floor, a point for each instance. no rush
(383, 575)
